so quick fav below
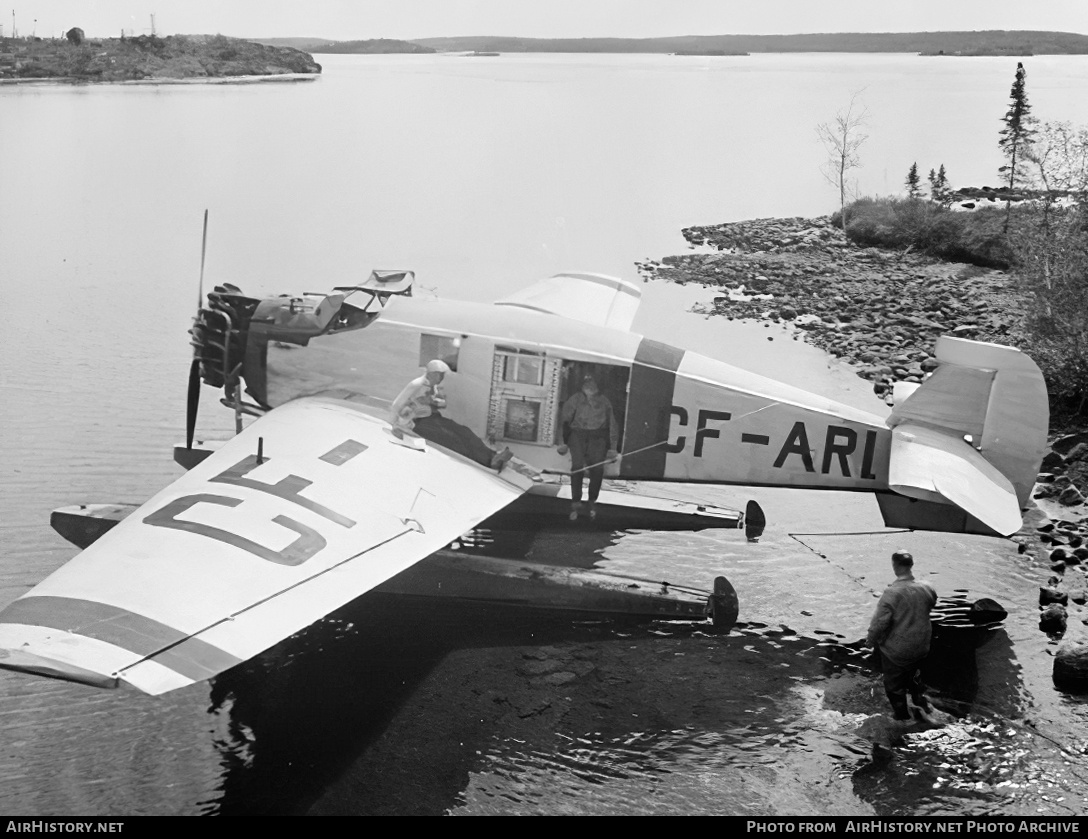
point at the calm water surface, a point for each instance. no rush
(483, 175)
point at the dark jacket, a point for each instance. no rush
(900, 626)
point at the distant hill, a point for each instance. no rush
(304, 44)
(1019, 42)
(375, 46)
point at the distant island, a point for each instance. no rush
(147, 57)
(373, 46)
(708, 52)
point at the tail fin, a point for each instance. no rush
(972, 436)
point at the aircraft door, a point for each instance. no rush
(612, 381)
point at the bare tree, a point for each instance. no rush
(1059, 153)
(1059, 156)
(1052, 249)
(842, 139)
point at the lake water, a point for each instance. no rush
(482, 175)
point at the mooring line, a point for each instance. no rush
(824, 556)
(619, 456)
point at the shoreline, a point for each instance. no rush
(75, 80)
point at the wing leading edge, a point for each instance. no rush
(311, 506)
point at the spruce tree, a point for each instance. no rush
(913, 190)
(1018, 132)
(938, 186)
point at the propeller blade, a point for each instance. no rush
(192, 402)
(193, 397)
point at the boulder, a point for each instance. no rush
(1053, 619)
(75, 35)
(1052, 462)
(1070, 497)
(1045, 491)
(1049, 595)
(985, 610)
(1064, 445)
(1077, 453)
(1071, 667)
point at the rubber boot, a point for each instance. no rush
(899, 705)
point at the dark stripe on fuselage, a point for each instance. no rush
(649, 403)
(138, 634)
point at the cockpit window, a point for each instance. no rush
(443, 347)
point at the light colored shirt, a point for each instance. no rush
(591, 414)
(900, 626)
(416, 400)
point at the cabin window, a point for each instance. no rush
(524, 369)
(442, 347)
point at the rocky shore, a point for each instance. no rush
(883, 311)
(147, 57)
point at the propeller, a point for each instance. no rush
(193, 398)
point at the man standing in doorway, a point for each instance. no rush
(901, 630)
(590, 432)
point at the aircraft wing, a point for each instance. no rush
(592, 298)
(309, 507)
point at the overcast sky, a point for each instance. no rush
(407, 19)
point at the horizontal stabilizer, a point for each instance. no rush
(931, 465)
(995, 395)
(592, 298)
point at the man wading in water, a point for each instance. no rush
(901, 630)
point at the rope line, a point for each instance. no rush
(605, 462)
(824, 556)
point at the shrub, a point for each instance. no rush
(1065, 369)
(924, 226)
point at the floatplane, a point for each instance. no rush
(315, 501)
